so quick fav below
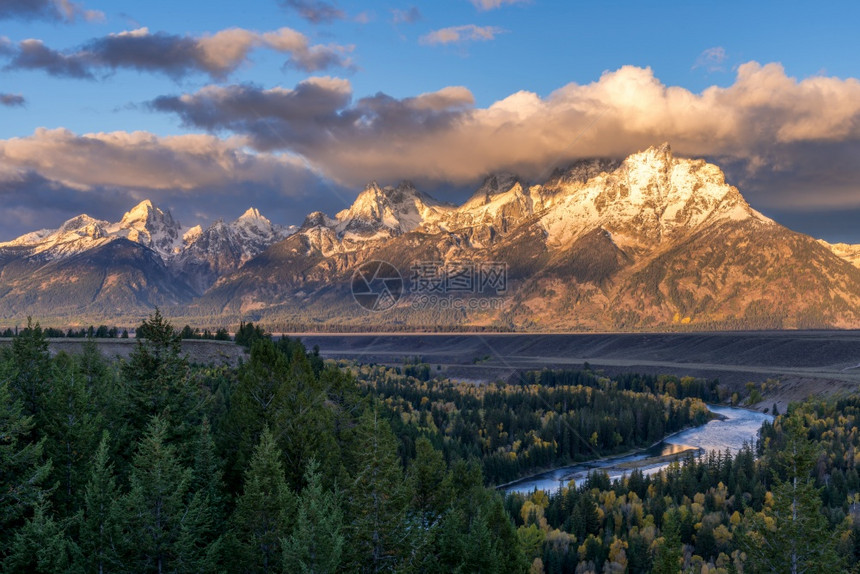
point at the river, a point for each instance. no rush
(738, 426)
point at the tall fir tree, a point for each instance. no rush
(165, 524)
(71, 426)
(378, 529)
(157, 380)
(669, 550)
(23, 470)
(31, 366)
(42, 545)
(264, 512)
(792, 536)
(100, 529)
(317, 542)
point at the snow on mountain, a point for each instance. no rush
(222, 247)
(156, 229)
(846, 251)
(646, 199)
(651, 197)
(74, 236)
(150, 226)
(388, 211)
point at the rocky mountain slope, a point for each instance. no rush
(97, 268)
(651, 242)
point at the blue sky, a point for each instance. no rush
(786, 69)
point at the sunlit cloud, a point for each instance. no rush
(53, 175)
(461, 34)
(766, 126)
(217, 54)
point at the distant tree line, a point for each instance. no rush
(91, 332)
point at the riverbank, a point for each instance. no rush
(731, 429)
(600, 460)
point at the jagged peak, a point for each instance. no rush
(316, 219)
(251, 213)
(252, 218)
(192, 234)
(493, 185)
(79, 222)
(140, 211)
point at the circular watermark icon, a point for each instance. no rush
(377, 285)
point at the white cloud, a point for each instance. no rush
(766, 125)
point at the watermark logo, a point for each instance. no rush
(377, 285)
(485, 278)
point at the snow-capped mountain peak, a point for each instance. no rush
(73, 236)
(493, 185)
(150, 226)
(192, 234)
(386, 211)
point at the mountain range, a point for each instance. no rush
(650, 242)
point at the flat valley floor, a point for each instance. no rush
(806, 363)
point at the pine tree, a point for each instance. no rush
(264, 512)
(72, 429)
(794, 535)
(22, 468)
(31, 364)
(41, 546)
(257, 402)
(100, 531)
(377, 502)
(207, 476)
(165, 524)
(668, 559)
(429, 483)
(316, 544)
(157, 378)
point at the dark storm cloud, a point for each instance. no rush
(63, 10)
(175, 56)
(315, 11)
(12, 100)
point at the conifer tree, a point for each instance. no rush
(165, 524)
(429, 483)
(31, 366)
(41, 546)
(316, 544)
(100, 531)
(377, 501)
(157, 382)
(264, 512)
(668, 559)
(23, 471)
(72, 427)
(793, 536)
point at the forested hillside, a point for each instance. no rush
(287, 463)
